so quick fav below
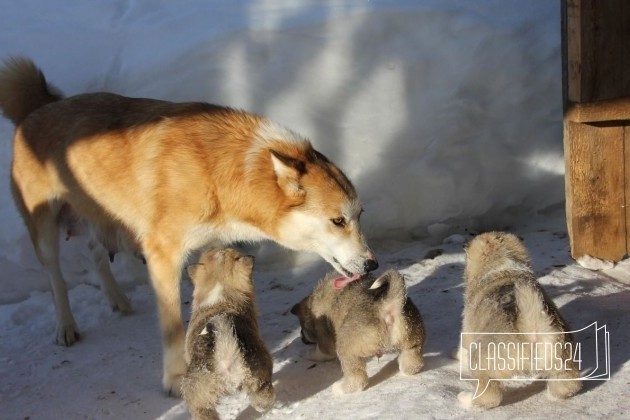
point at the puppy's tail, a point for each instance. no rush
(536, 313)
(23, 89)
(391, 291)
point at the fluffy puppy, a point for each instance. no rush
(224, 350)
(504, 300)
(366, 318)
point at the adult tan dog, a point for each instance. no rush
(163, 179)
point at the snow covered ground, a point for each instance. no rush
(445, 113)
(115, 370)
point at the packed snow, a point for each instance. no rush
(446, 114)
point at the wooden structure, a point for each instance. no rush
(596, 91)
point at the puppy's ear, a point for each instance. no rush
(379, 282)
(248, 261)
(288, 171)
(195, 270)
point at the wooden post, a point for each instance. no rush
(596, 92)
(595, 193)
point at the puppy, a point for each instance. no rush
(502, 296)
(366, 318)
(224, 351)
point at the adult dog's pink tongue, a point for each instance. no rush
(341, 282)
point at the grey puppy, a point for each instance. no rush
(224, 351)
(366, 318)
(503, 298)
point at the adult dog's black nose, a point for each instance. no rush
(370, 265)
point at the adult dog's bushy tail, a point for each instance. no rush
(23, 89)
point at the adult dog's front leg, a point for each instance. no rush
(164, 269)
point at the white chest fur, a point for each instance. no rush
(208, 234)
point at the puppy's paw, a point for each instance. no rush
(338, 389)
(465, 399)
(318, 356)
(344, 386)
(263, 406)
(263, 400)
(410, 361)
(560, 390)
(490, 400)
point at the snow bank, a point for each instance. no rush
(444, 113)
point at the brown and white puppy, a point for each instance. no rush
(503, 298)
(162, 179)
(224, 350)
(363, 319)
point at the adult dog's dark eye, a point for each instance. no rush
(339, 221)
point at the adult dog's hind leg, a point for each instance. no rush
(40, 216)
(36, 196)
(116, 297)
(164, 263)
(45, 236)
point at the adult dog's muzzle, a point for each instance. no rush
(370, 265)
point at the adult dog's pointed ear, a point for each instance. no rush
(288, 171)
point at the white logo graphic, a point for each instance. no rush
(589, 353)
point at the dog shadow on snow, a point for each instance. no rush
(609, 310)
(439, 297)
(299, 379)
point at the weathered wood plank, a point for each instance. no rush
(595, 190)
(626, 148)
(599, 49)
(601, 111)
(572, 60)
